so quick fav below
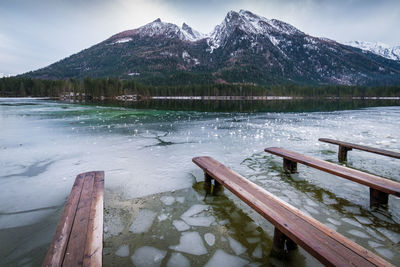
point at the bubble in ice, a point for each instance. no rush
(236, 246)
(221, 258)
(122, 251)
(148, 257)
(191, 243)
(178, 260)
(210, 239)
(143, 221)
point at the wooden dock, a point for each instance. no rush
(380, 187)
(291, 225)
(78, 240)
(345, 146)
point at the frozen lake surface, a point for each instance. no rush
(156, 213)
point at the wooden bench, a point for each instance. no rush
(291, 225)
(344, 147)
(379, 187)
(78, 240)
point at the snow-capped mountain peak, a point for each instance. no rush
(192, 34)
(159, 28)
(379, 49)
(249, 23)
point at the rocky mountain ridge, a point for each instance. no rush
(244, 48)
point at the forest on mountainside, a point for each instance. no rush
(111, 87)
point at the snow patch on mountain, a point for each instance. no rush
(159, 28)
(380, 49)
(250, 24)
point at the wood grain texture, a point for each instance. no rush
(78, 240)
(372, 181)
(326, 245)
(94, 241)
(58, 245)
(363, 148)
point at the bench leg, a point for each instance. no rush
(289, 165)
(377, 198)
(217, 187)
(282, 243)
(342, 153)
(207, 183)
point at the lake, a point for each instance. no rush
(155, 208)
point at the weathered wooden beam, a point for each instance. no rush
(375, 150)
(207, 183)
(290, 166)
(378, 198)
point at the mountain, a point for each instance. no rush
(383, 50)
(244, 48)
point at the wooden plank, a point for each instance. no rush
(56, 251)
(94, 241)
(361, 147)
(77, 241)
(323, 243)
(373, 181)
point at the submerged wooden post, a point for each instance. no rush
(377, 198)
(282, 243)
(217, 187)
(342, 153)
(207, 183)
(290, 166)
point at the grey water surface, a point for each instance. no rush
(156, 212)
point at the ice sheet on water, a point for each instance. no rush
(162, 217)
(167, 200)
(394, 237)
(122, 251)
(191, 243)
(113, 225)
(236, 246)
(180, 225)
(333, 221)
(385, 252)
(253, 240)
(373, 244)
(195, 209)
(358, 233)
(180, 199)
(143, 221)
(178, 260)
(148, 257)
(363, 220)
(221, 258)
(257, 253)
(204, 221)
(352, 222)
(191, 216)
(210, 239)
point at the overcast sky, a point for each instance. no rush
(36, 33)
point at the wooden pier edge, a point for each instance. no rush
(78, 239)
(380, 187)
(346, 146)
(317, 239)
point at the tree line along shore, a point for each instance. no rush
(111, 88)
